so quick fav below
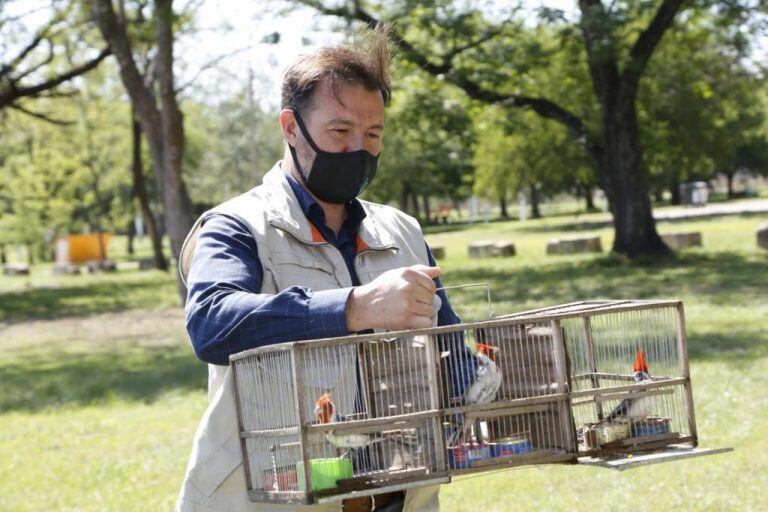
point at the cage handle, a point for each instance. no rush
(491, 313)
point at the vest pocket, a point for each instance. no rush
(302, 268)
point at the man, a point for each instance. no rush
(299, 257)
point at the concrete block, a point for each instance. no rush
(65, 269)
(481, 249)
(575, 245)
(677, 241)
(762, 237)
(504, 249)
(16, 269)
(438, 251)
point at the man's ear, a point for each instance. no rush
(289, 127)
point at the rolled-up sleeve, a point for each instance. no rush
(225, 311)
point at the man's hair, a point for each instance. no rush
(365, 64)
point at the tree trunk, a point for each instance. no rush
(161, 120)
(415, 207)
(589, 198)
(3, 256)
(503, 207)
(404, 197)
(729, 179)
(140, 191)
(624, 173)
(178, 206)
(130, 238)
(427, 212)
(534, 196)
(674, 192)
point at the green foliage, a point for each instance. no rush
(701, 107)
(427, 142)
(230, 146)
(518, 150)
(66, 179)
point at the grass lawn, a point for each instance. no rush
(101, 393)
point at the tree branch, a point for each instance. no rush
(7, 97)
(35, 67)
(114, 33)
(648, 40)
(39, 115)
(601, 50)
(208, 65)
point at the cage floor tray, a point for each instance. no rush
(668, 454)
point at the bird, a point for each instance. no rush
(483, 390)
(635, 408)
(325, 412)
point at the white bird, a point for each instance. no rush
(636, 408)
(483, 390)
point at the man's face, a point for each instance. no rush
(353, 123)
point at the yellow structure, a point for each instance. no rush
(82, 248)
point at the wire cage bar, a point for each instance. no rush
(352, 416)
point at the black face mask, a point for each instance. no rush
(335, 177)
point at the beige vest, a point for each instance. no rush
(292, 252)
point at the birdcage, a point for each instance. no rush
(382, 389)
(629, 383)
(328, 419)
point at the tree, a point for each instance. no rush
(521, 152)
(37, 68)
(232, 144)
(700, 108)
(618, 41)
(159, 114)
(427, 145)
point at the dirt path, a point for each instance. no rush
(145, 327)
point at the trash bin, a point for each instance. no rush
(695, 193)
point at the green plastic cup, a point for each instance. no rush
(325, 472)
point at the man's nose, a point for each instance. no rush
(356, 142)
(361, 141)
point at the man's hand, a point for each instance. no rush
(401, 298)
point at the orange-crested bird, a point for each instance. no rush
(483, 390)
(325, 412)
(639, 407)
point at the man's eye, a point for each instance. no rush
(340, 130)
(374, 135)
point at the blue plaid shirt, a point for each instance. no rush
(225, 311)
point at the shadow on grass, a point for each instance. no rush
(87, 298)
(34, 382)
(720, 279)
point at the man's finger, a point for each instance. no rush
(423, 295)
(431, 272)
(422, 309)
(421, 322)
(423, 279)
